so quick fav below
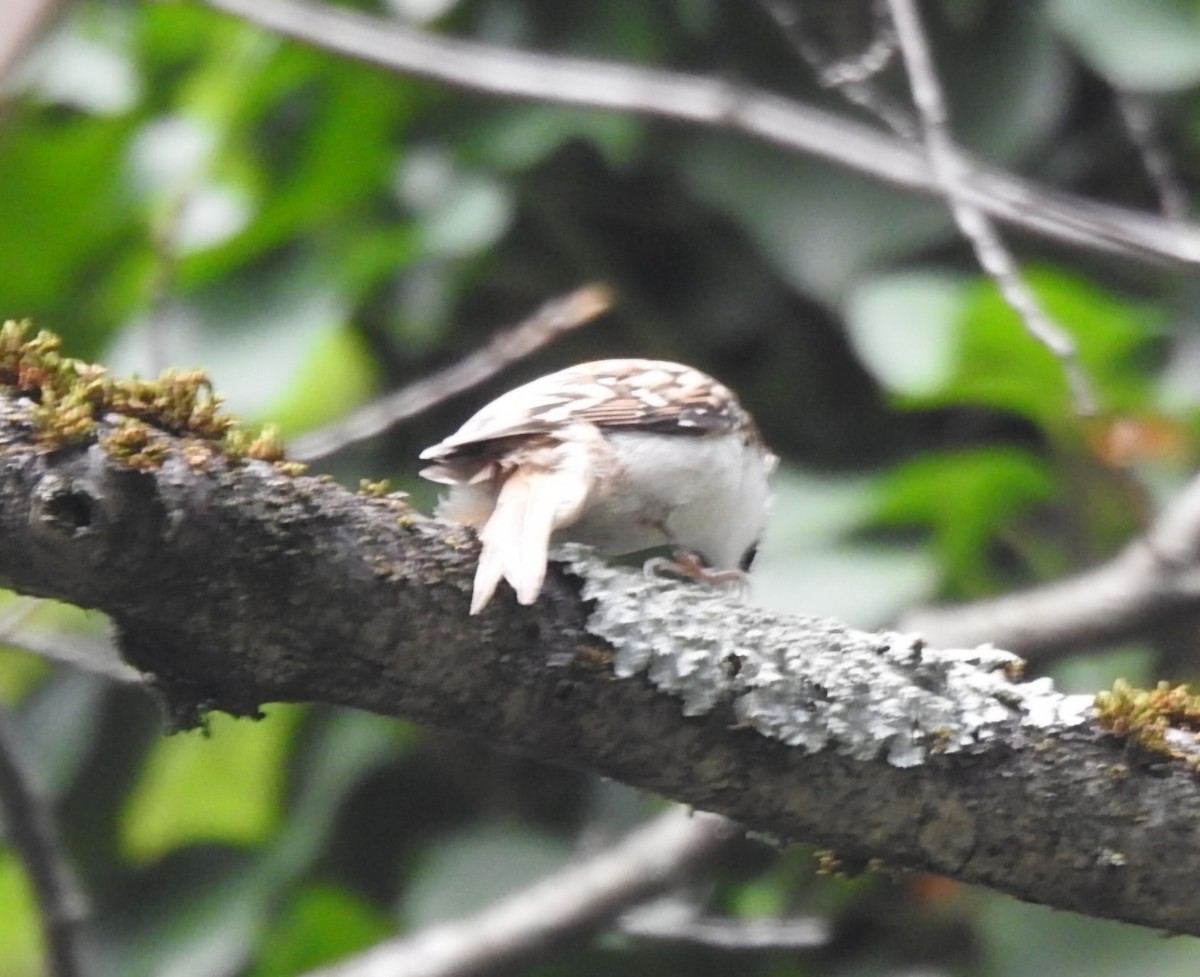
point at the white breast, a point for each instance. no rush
(708, 494)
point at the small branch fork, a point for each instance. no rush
(852, 76)
(950, 173)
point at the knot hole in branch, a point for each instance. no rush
(65, 508)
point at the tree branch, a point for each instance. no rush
(556, 911)
(552, 320)
(951, 174)
(673, 920)
(1140, 121)
(1154, 580)
(711, 102)
(232, 584)
(29, 825)
(25, 18)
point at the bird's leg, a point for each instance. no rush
(685, 563)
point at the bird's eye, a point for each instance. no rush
(747, 560)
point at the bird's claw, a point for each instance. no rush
(686, 564)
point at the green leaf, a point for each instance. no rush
(968, 500)
(251, 335)
(20, 932)
(338, 751)
(202, 910)
(810, 549)
(905, 328)
(221, 784)
(198, 914)
(85, 63)
(821, 227)
(52, 721)
(1009, 81)
(517, 137)
(1018, 939)
(340, 122)
(339, 365)
(1084, 674)
(1144, 45)
(1001, 365)
(62, 210)
(320, 924)
(458, 211)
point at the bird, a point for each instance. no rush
(623, 455)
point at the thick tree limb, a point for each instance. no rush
(714, 102)
(232, 584)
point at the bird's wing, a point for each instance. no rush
(650, 395)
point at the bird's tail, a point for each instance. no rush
(516, 537)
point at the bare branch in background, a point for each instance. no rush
(30, 829)
(1153, 580)
(19, 26)
(548, 323)
(86, 652)
(673, 920)
(563, 908)
(19, 610)
(950, 171)
(713, 102)
(1137, 113)
(851, 75)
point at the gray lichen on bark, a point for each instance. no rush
(811, 682)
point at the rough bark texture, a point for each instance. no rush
(232, 585)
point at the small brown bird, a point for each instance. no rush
(622, 455)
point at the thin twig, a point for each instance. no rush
(573, 903)
(31, 830)
(1139, 119)
(548, 323)
(950, 171)
(164, 231)
(86, 652)
(713, 102)
(16, 612)
(852, 76)
(34, 838)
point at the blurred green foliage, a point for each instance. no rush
(179, 188)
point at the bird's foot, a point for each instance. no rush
(685, 563)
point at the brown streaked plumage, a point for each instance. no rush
(620, 454)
